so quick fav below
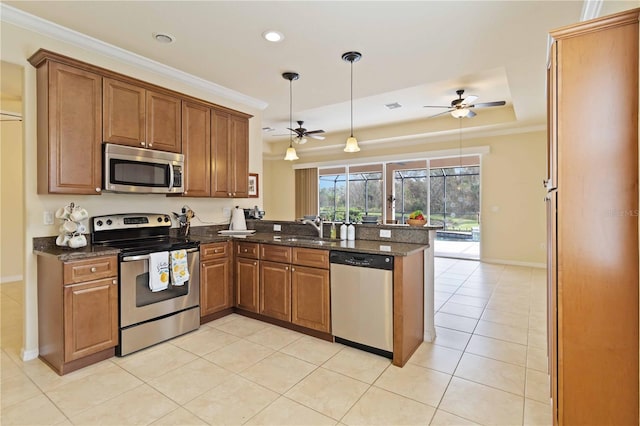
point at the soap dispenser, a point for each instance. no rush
(343, 231)
(332, 232)
(351, 232)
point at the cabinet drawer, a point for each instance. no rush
(90, 269)
(214, 250)
(311, 257)
(275, 253)
(250, 250)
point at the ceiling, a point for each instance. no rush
(414, 53)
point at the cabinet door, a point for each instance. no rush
(239, 147)
(163, 122)
(90, 317)
(275, 290)
(69, 136)
(123, 113)
(311, 306)
(196, 147)
(215, 286)
(220, 155)
(247, 280)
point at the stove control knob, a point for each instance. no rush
(159, 219)
(99, 223)
(166, 219)
(109, 222)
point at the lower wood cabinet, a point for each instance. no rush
(247, 284)
(275, 290)
(310, 296)
(77, 311)
(216, 285)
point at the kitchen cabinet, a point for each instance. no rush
(69, 129)
(230, 155)
(592, 206)
(310, 295)
(196, 147)
(275, 281)
(77, 311)
(247, 279)
(216, 285)
(135, 116)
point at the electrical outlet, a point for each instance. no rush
(385, 233)
(48, 217)
(226, 211)
(276, 228)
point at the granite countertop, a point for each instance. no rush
(297, 236)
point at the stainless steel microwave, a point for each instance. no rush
(142, 171)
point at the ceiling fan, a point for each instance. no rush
(460, 107)
(302, 133)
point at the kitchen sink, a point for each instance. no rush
(307, 240)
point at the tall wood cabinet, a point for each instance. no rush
(69, 129)
(216, 284)
(592, 206)
(196, 147)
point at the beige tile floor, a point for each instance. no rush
(487, 366)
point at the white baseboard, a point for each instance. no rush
(29, 354)
(515, 263)
(429, 336)
(11, 279)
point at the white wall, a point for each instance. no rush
(17, 44)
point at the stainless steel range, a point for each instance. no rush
(148, 317)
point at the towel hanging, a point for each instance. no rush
(158, 271)
(179, 267)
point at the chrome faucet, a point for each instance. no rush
(317, 223)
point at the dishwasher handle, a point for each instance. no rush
(363, 260)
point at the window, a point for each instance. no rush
(455, 197)
(365, 191)
(332, 190)
(411, 192)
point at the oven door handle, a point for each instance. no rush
(146, 256)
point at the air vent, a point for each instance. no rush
(393, 105)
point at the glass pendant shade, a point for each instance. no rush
(352, 145)
(291, 154)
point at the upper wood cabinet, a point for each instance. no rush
(69, 130)
(230, 155)
(196, 147)
(135, 116)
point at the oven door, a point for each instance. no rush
(139, 304)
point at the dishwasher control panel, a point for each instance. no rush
(363, 260)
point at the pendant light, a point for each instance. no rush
(291, 151)
(352, 142)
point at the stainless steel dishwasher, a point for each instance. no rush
(362, 301)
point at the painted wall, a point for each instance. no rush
(17, 44)
(279, 182)
(11, 201)
(512, 213)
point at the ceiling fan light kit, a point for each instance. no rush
(461, 107)
(352, 143)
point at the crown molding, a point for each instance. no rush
(33, 23)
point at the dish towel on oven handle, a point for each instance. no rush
(179, 267)
(158, 271)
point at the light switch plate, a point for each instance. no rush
(48, 217)
(276, 228)
(385, 233)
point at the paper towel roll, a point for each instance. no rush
(237, 220)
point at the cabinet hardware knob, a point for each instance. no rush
(142, 143)
(114, 282)
(293, 269)
(215, 251)
(150, 145)
(229, 194)
(93, 269)
(255, 263)
(186, 192)
(286, 268)
(98, 189)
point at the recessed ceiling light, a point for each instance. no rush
(164, 38)
(273, 36)
(393, 105)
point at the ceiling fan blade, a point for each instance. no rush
(316, 137)
(314, 131)
(469, 99)
(436, 106)
(471, 114)
(488, 104)
(442, 113)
